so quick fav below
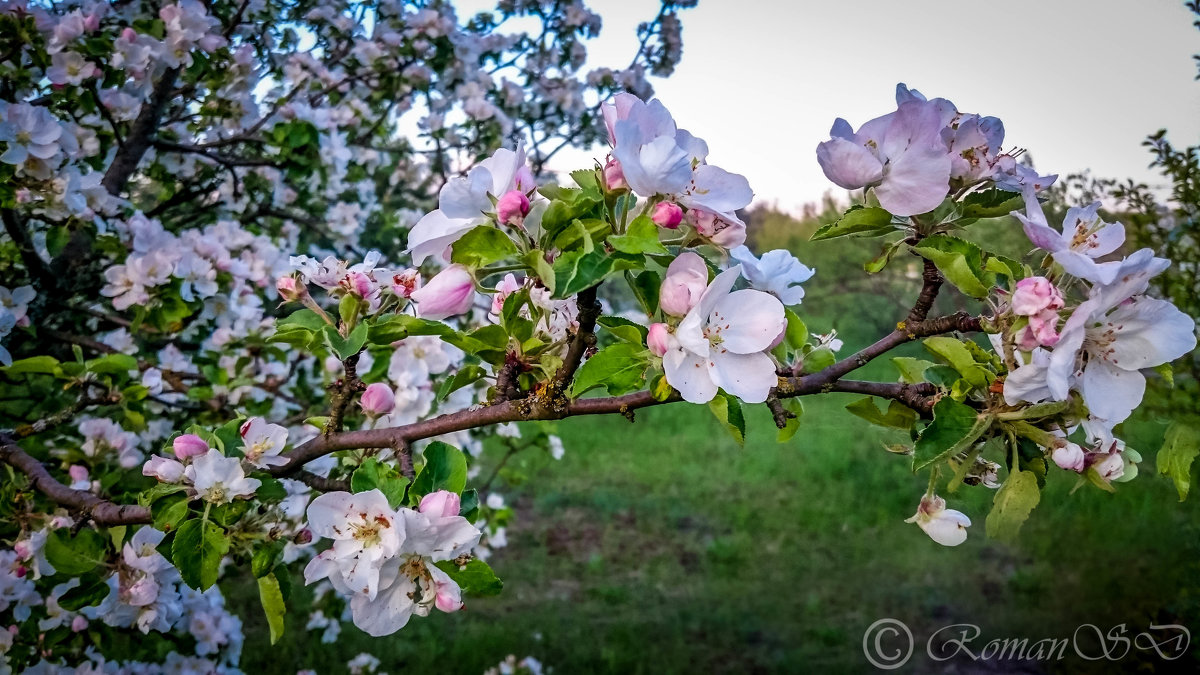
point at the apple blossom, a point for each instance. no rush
(263, 442)
(449, 293)
(365, 533)
(219, 479)
(1035, 294)
(945, 526)
(901, 154)
(463, 202)
(721, 343)
(684, 283)
(778, 272)
(1083, 239)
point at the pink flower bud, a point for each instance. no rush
(189, 445)
(378, 399)
(289, 289)
(1041, 331)
(449, 597)
(658, 339)
(512, 208)
(667, 214)
(1110, 466)
(23, 549)
(129, 35)
(440, 504)
(78, 473)
(614, 176)
(1069, 457)
(404, 283)
(687, 277)
(449, 293)
(1035, 294)
(79, 623)
(91, 22)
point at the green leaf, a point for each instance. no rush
(582, 235)
(445, 469)
(641, 237)
(728, 411)
(302, 318)
(959, 356)
(536, 259)
(646, 287)
(818, 359)
(112, 363)
(168, 512)
(468, 506)
(348, 309)
(272, 603)
(75, 555)
(197, 551)
(991, 203)
(898, 415)
(399, 326)
(624, 329)
(860, 220)
(796, 334)
(475, 578)
(912, 371)
(348, 346)
(575, 271)
(468, 374)
(265, 558)
(564, 208)
(876, 264)
(33, 364)
(619, 368)
(587, 179)
(793, 424)
(1013, 503)
(959, 261)
(92, 589)
(375, 475)
(955, 427)
(482, 245)
(1175, 457)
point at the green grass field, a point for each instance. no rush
(663, 546)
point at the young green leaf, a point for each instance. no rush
(197, 551)
(1175, 458)
(273, 606)
(445, 469)
(860, 220)
(620, 368)
(1012, 505)
(482, 245)
(728, 411)
(955, 427)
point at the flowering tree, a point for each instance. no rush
(185, 397)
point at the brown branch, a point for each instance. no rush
(141, 135)
(584, 339)
(932, 283)
(828, 380)
(102, 511)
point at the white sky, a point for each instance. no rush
(1079, 83)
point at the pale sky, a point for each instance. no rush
(1079, 83)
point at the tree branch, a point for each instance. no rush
(585, 338)
(102, 511)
